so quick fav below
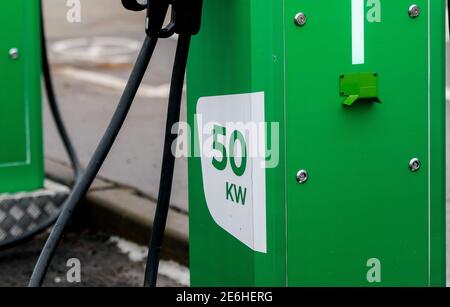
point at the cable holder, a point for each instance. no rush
(185, 18)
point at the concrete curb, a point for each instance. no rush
(123, 212)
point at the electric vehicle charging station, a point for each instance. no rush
(349, 189)
(356, 195)
(21, 153)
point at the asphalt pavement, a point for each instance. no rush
(105, 261)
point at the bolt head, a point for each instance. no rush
(14, 53)
(302, 176)
(300, 19)
(414, 11)
(414, 165)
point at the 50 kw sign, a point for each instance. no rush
(232, 170)
(234, 193)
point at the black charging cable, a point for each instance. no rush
(186, 17)
(168, 164)
(186, 21)
(82, 185)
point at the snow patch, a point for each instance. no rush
(135, 252)
(138, 253)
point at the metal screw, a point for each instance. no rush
(302, 176)
(414, 165)
(414, 11)
(300, 19)
(14, 53)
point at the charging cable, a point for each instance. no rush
(186, 17)
(82, 185)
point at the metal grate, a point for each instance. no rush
(24, 212)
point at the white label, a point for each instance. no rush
(358, 19)
(234, 184)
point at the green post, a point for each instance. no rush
(349, 188)
(21, 157)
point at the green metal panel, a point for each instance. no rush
(362, 203)
(361, 208)
(239, 50)
(21, 158)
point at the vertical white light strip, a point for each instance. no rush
(358, 32)
(429, 143)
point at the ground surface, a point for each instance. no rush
(102, 263)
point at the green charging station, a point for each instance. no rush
(21, 152)
(318, 148)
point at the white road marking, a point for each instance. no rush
(358, 19)
(96, 49)
(138, 253)
(447, 93)
(112, 82)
